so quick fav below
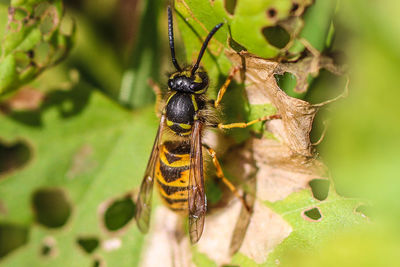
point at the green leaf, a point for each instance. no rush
(145, 60)
(104, 71)
(318, 22)
(87, 148)
(313, 221)
(249, 21)
(201, 259)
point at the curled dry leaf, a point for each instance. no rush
(297, 115)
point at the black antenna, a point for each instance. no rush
(203, 48)
(171, 39)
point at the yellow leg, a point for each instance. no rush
(221, 176)
(222, 90)
(157, 91)
(246, 124)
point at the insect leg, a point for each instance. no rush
(246, 124)
(220, 175)
(157, 91)
(222, 90)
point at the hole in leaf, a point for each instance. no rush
(319, 188)
(230, 6)
(41, 9)
(45, 250)
(51, 207)
(88, 244)
(20, 14)
(98, 262)
(42, 53)
(119, 213)
(295, 6)
(287, 82)
(22, 60)
(276, 36)
(13, 156)
(313, 214)
(48, 247)
(271, 13)
(47, 24)
(11, 238)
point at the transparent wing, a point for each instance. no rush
(196, 195)
(143, 204)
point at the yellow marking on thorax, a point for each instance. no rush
(201, 91)
(186, 133)
(174, 75)
(185, 126)
(196, 108)
(169, 98)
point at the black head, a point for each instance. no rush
(184, 81)
(190, 81)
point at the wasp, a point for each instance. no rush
(176, 164)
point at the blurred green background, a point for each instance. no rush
(77, 134)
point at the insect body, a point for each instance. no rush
(177, 164)
(172, 174)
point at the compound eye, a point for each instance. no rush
(171, 83)
(196, 87)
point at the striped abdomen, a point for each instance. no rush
(172, 174)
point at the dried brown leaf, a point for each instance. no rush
(297, 115)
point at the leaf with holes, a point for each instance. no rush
(66, 188)
(264, 28)
(268, 29)
(34, 40)
(313, 222)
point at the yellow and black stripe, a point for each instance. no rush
(182, 129)
(172, 174)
